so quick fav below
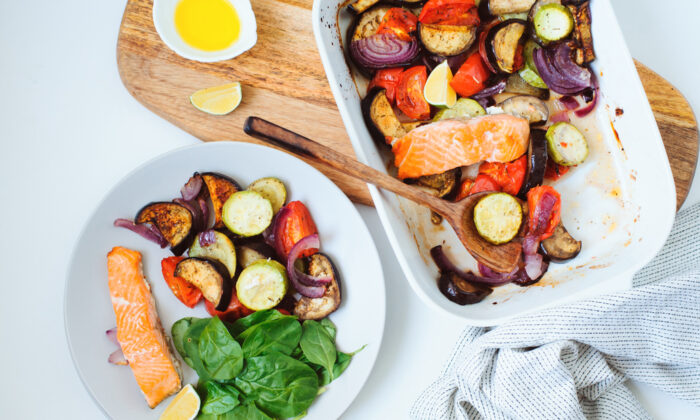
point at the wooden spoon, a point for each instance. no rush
(460, 215)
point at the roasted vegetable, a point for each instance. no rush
(262, 285)
(504, 45)
(359, 6)
(220, 188)
(553, 22)
(172, 220)
(464, 108)
(185, 291)
(582, 32)
(472, 76)
(446, 40)
(502, 7)
(516, 84)
(566, 145)
(460, 291)
(544, 214)
(449, 12)
(536, 162)
(561, 246)
(534, 110)
(409, 93)
(444, 183)
(247, 213)
(317, 308)
(215, 246)
(249, 253)
(233, 312)
(529, 71)
(366, 24)
(536, 7)
(272, 189)
(381, 119)
(293, 223)
(498, 217)
(209, 276)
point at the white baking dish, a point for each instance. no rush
(620, 202)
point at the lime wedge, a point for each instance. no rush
(217, 100)
(438, 91)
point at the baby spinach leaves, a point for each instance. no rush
(266, 365)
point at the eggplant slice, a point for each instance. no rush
(367, 23)
(381, 119)
(447, 40)
(444, 183)
(502, 44)
(173, 220)
(359, 6)
(220, 188)
(582, 32)
(210, 277)
(502, 7)
(460, 291)
(561, 246)
(317, 308)
(536, 162)
(534, 110)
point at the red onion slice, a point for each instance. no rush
(562, 116)
(542, 215)
(569, 102)
(146, 230)
(206, 238)
(446, 266)
(590, 107)
(112, 335)
(117, 358)
(192, 188)
(496, 88)
(204, 208)
(559, 71)
(193, 207)
(384, 50)
(305, 284)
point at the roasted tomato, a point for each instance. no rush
(409, 95)
(400, 22)
(389, 80)
(234, 311)
(544, 205)
(186, 292)
(509, 176)
(471, 77)
(449, 12)
(295, 224)
(555, 171)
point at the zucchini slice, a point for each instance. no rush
(174, 222)
(262, 285)
(318, 308)
(516, 84)
(447, 40)
(222, 250)
(498, 217)
(247, 213)
(567, 146)
(220, 188)
(271, 188)
(529, 72)
(464, 108)
(381, 119)
(503, 42)
(210, 277)
(553, 22)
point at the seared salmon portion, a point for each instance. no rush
(438, 147)
(139, 330)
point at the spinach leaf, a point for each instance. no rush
(341, 363)
(282, 335)
(190, 344)
(178, 334)
(220, 399)
(253, 319)
(329, 326)
(221, 355)
(317, 345)
(281, 386)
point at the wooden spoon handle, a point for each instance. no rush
(300, 145)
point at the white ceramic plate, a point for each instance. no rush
(620, 202)
(88, 311)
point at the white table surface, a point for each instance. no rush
(70, 131)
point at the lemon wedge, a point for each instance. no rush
(217, 100)
(184, 406)
(438, 91)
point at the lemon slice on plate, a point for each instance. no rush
(184, 406)
(438, 91)
(217, 100)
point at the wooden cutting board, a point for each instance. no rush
(283, 81)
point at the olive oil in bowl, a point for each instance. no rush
(207, 25)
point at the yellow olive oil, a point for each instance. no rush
(208, 25)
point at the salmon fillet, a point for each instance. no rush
(448, 144)
(139, 330)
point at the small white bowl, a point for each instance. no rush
(164, 21)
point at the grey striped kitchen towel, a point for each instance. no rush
(571, 362)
